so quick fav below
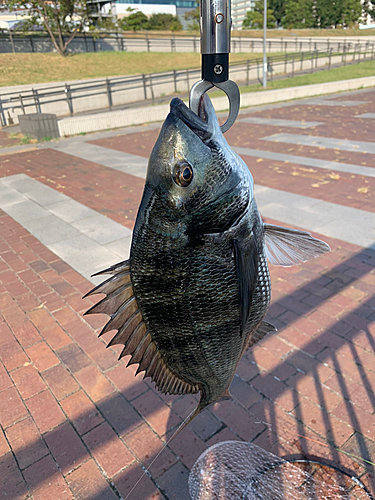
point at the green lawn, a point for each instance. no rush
(324, 33)
(19, 69)
(362, 69)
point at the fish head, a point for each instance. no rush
(193, 173)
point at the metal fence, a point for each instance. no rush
(117, 41)
(110, 93)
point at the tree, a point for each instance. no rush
(278, 7)
(164, 22)
(193, 17)
(134, 22)
(59, 18)
(352, 12)
(298, 14)
(338, 12)
(254, 18)
(368, 7)
(328, 13)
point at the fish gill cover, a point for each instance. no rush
(192, 297)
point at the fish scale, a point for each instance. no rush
(193, 295)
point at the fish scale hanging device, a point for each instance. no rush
(215, 19)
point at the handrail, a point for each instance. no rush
(109, 87)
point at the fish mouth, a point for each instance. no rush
(199, 124)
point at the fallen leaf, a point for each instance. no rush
(315, 185)
(334, 176)
(362, 190)
(295, 173)
(259, 160)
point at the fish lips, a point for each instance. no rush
(205, 124)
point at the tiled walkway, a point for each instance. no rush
(77, 423)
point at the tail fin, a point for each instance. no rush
(203, 403)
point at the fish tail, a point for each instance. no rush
(203, 403)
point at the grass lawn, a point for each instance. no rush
(362, 69)
(19, 69)
(324, 33)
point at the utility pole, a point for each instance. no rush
(265, 44)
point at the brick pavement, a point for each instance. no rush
(78, 424)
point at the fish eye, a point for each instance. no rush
(183, 173)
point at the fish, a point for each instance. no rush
(192, 297)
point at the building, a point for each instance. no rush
(239, 9)
(120, 8)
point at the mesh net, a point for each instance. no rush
(236, 470)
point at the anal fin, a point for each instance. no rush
(255, 336)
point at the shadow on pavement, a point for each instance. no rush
(279, 429)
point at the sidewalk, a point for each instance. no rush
(76, 422)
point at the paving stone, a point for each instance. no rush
(28, 381)
(102, 230)
(26, 442)
(145, 488)
(66, 447)
(175, 482)
(81, 412)
(12, 355)
(120, 414)
(45, 411)
(95, 384)
(160, 417)
(70, 210)
(42, 356)
(55, 337)
(12, 408)
(243, 392)
(4, 446)
(60, 381)
(108, 450)
(46, 481)
(205, 425)
(11, 481)
(240, 421)
(5, 380)
(225, 434)
(146, 445)
(87, 482)
(73, 357)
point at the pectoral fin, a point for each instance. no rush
(287, 247)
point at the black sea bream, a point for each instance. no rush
(192, 297)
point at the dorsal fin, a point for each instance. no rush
(125, 317)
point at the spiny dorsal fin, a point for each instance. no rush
(287, 247)
(116, 268)
(253, 337)
(125, 317)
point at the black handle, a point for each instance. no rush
(215, 67)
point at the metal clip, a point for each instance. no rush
(231, 90)
(215, 47)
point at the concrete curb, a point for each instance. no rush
(138, 116)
